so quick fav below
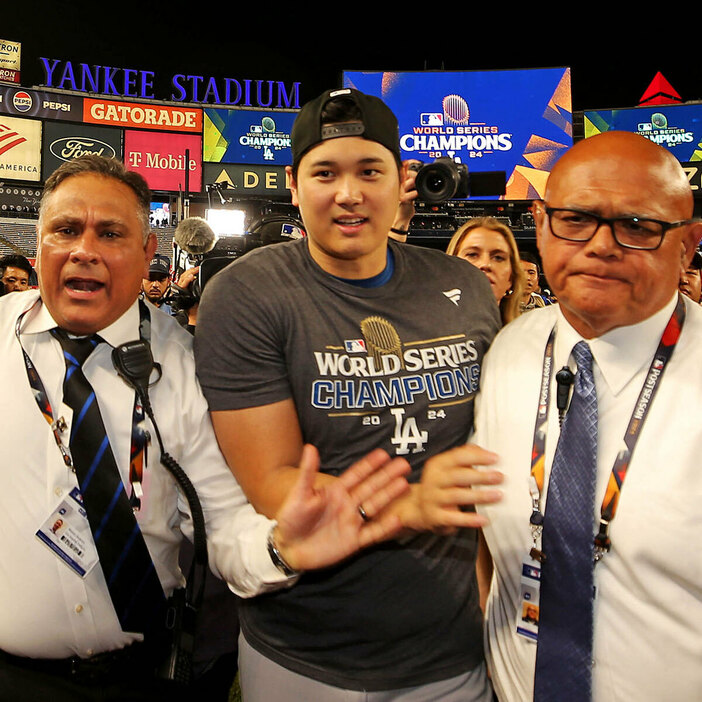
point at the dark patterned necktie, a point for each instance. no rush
(564, 653)
(134, 586)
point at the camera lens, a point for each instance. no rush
(436, 182)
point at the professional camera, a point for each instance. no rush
(444, 179)
(195, 245)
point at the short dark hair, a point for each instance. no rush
(109, 168)
(16, 261)
(341, 109)
(529, 257)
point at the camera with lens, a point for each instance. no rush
(445, 179)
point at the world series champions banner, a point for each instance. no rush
(677, 128)
(516, 121)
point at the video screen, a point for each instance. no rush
(260, 137)
(517, 121)
(676, 127)
(160, 214)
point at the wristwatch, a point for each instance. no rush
(278, 561)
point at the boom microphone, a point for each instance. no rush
(194, 236)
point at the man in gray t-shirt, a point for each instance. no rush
(349, 343)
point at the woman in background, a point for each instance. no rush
(490, 246)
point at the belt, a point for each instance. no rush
(111, 666)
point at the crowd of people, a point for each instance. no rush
(321, 411)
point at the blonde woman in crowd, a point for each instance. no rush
(490, 246)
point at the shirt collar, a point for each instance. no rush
(124, 329)
(620, 353)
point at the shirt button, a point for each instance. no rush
(88, 651)
(78, 608)
(58, 492)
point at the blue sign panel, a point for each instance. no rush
(516, 121)
(676, 127)
(247, 136)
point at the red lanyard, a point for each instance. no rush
(663, 354)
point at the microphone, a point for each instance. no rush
(194, 236)
(564, 379)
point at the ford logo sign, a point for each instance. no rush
(69, 148)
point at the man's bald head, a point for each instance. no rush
(653, 162)
(600, 284)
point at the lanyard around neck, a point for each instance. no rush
(663, 354)
(139, 437)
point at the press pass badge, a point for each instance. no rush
(67, 533)
(528, 610)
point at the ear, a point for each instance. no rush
(538, 209)
(36, 260)
(149, 250)
(293, 185)
(690, 240)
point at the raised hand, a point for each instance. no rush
(320, 526)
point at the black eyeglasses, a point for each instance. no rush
(629, 232)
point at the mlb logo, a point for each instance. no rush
(355, 346)
(431, 119)
(645, 126)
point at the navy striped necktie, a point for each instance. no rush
(564, 653)
(134, 586)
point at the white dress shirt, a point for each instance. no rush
(46, 609)
(648, 606)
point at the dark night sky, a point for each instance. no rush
(612, 65)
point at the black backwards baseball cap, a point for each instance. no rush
(378, 123)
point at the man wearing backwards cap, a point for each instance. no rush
(351, 342)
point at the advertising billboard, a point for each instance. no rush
(517, 121)
(676, 127)
(20, 149)
(242, 180)
(10, 60)
(20, 102)
(64, 142)
(160, 158)
(143, 116)
(247, 136)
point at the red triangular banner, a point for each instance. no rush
(660, 92)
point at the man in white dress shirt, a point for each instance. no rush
(614, 262)
(60, 635)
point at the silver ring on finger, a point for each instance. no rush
(363, 513)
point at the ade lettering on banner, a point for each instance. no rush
(249, 180)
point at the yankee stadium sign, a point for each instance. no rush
(128, 82)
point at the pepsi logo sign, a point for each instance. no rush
(22, 101)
